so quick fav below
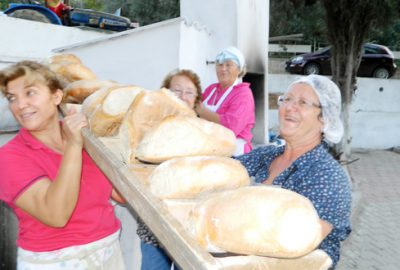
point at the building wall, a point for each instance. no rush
(375, 113)
(241, 23)
(24, 39)
(142, 56)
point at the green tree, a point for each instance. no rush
(144, 11)
(293, 17)
(4, 4)
(348, 23)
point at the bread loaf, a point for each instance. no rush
(65, 58)
(187, 177)
(94, 101)
(181, 209)
(70, 68)
(77, 91)
(257, 220)
(148, 110)
(73, 71)
(179, 136)
(106, 119)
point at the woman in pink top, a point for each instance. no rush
(60, 197)
(230, 102)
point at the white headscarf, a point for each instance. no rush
(331, 102)
(233, 54)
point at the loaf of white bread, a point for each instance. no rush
(70, 68)
(253, 220)
(180, 136)
(107, 107)
(147, 111)
(188, 177)
(78, 91)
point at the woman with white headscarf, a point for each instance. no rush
(309, 118)
(230, 102)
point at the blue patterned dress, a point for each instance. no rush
(317, 176)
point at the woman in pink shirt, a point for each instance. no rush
(230, 102)
(59, 195)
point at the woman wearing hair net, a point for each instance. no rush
(230, 102)
(309, 118)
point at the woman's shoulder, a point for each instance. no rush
(266, 150)
(13, 143)
(323, 164)
(243, 86)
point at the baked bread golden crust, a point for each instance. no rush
(257, 220)
(77, 91)
(180, 136)
(188, 177)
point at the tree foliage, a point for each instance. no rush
(348, 24)
(145, 11)
(4, 4)
(308, 17)
(142, 11)
(294, 16)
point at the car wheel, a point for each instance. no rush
(381, 73)
(311, 68)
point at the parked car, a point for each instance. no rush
(377, 61)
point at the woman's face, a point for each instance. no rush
(299, 115)
(33, 106)
(184, 88)
(227, 73)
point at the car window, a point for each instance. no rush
(373, 50)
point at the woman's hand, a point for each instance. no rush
(198, 108)
(72, 127)
(205, 113)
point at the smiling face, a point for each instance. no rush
(227, 73)
(300, 123)
(184, 88)
(32, 104)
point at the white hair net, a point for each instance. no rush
(233, 54)
(331, 101)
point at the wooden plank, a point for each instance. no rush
(185, 251)
(177, 242)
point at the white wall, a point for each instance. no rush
(219, 17)
(23, 39)
(194, 51)
(241, 23)
(142, 56)
(375, 112)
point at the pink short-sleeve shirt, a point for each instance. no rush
(25, 160)
(237, 111)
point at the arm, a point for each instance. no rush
(205, 113)
(116, 196)
(256, 160)
(333, 199)
(239, 111)
(326, 228)
(53, 202)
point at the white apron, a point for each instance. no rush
(240, 143)
(103, 254)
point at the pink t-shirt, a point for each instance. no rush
(25, 160)
(237, 111)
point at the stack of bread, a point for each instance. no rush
(193, 173)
